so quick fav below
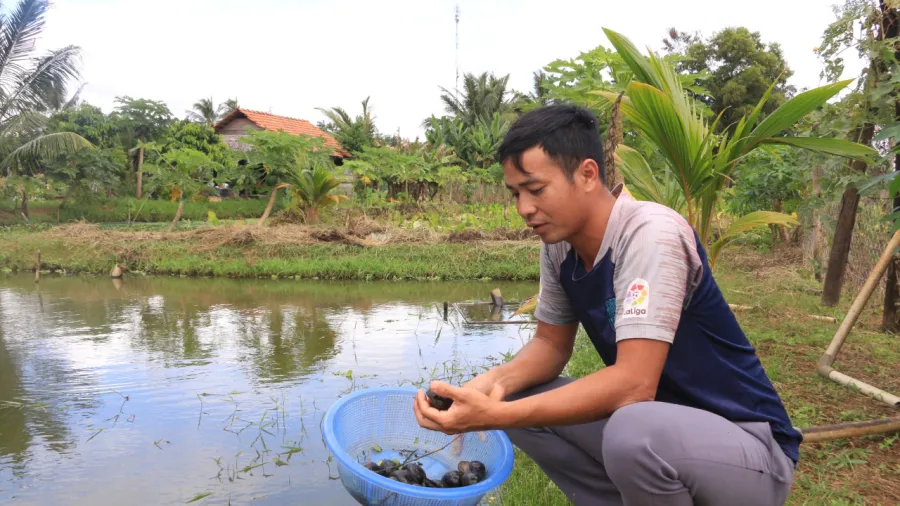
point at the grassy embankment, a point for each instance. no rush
(843, 472)
(282, 252)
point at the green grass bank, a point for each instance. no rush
(282, 252)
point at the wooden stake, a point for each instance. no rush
(37, 268)
(496, 298)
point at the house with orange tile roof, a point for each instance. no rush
(234, 126)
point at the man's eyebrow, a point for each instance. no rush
(528, 182)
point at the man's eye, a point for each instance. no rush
(538, 191)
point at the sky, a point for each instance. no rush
(290, 57)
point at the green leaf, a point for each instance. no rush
(795, 109)
(895, 185)
(749, 222)
(199, 496)
(839, 147)
(633, 58)
(47, 147)
(876, 183)
(887, 133)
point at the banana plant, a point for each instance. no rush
(697, 163)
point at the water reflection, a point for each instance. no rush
(150, 386)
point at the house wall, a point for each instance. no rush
(236, 129)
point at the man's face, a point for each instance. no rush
(546, 199)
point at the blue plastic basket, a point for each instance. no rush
(382, 418)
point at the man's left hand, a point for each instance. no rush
(471, 410)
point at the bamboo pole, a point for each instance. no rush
(37, 267)
(846, 430)
(825, 363)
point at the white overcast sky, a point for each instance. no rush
(289, 57)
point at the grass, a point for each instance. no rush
(127, 209)
(857, 471)
(280, 252)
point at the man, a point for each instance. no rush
(683, 413)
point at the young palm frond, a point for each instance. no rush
(695, 160)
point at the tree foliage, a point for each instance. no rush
(741, 68)
(696, 159)
(354, 134)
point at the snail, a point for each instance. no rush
(415, 470)
(403, 476)
(468, 479)
(452, 479)
(438, 402)
(475, 467)
(429, 483)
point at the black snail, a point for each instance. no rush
(467, 473)
(437, 401)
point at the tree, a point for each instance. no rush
(142, 121)
(697, 160)
(480, 98)
(183, 134)
(741, 69)
(871, 105)
(29, 86)
(227, 107)
(182, 173)
(203, 111)
(88, 121)
(354, 134)
(282, 156)
(311, 187)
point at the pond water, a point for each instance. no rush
(158, 390)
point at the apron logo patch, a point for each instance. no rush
(637, 299)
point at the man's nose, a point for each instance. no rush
(525, 206)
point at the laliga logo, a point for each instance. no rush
(637, 299)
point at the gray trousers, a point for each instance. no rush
(659, 454)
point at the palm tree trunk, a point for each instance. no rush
(843, 231)
(140, 175)
(818, 233)
(177, 215)
(25, 204)
(312, 214)
(269, 207)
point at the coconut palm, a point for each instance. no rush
(203, 111)
(696, 163)
(352, 133)
(481, 96)
(312, 189)
(227, 107)
(31, 85)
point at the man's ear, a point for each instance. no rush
(589, 173)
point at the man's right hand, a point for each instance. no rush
(487, 384)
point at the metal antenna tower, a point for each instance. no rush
(456, 87)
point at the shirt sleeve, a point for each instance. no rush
(553, 304)
(657, 270)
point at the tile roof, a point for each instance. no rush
(293, 126)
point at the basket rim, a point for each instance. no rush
(493, 481)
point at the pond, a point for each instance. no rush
(160, 390)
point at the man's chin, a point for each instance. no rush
(549, 237)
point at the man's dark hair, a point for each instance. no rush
(568, 134)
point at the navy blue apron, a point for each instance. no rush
(711, 365)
